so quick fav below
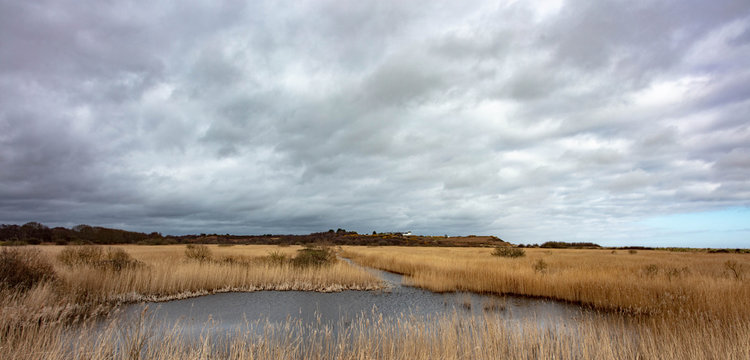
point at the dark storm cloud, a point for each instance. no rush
(524, 121)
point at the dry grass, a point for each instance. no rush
(169, 274)
(84, 288)
(405, 337)
(702, 302)
(649, 282)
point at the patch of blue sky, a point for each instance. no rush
(726, 228)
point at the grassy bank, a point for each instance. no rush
(89, 285)
(716, 286)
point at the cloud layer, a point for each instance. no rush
(564, 120)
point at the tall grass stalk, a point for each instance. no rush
(681, 284)
(404, 337)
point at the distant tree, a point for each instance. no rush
(34, 225)
(34, 233)
(81, 228)
(565, 245)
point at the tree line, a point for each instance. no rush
(33, 233)
(36, 233)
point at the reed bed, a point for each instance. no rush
(162, 273)
(663, 305)
(168, 275)
(645, 282)
(406, 337)
(164, 281)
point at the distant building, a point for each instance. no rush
(408, 233)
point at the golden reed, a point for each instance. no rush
(645, 282)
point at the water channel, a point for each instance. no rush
(232, 312)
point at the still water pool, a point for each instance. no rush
(232, 312)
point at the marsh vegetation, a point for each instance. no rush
(48, 284)
(645, 283)
(651, 304)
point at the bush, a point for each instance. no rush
(80, 255)
(23, 268)
(541, 266)
(93, 256)
(314, 256)
(277, 258)
(508, 251)
(198, 252)
(118, 259)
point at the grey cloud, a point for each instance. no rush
(436, 117)
(743, 38)
(400, 83)
(738, 158)
(648, 36)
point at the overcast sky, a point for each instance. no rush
(618, 122)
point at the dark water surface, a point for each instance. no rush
(232, 312)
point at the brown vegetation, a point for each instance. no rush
(404, 337)
(96, 257)
(650, 282)
(665, 305)
(508, 251)
(21, 269)
(89, 280)
(200, 253)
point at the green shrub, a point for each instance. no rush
(198, 252)
(314, 256)
(508, 251)
(21, 269)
